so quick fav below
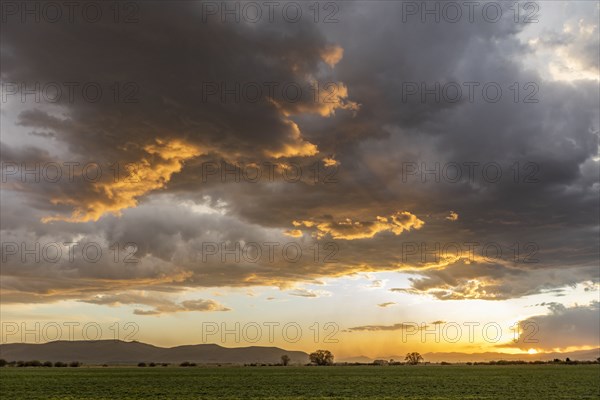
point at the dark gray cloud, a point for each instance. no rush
(488, 280)
(372, 129)
(562, 328)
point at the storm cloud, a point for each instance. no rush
(361, 167)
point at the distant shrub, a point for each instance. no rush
(33, 363)
(47, 364)
(152, 364)
(74, 364)
(142, 364)
(60, 364)
(2, 362)
(185, 364)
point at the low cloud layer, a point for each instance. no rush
(160, 305)
(562, 328)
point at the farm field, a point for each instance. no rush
(350, 382)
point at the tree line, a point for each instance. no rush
(37, 363)
(319, 358)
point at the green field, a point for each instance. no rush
(365, 382)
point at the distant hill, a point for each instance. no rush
(120, 352)
(453, 357)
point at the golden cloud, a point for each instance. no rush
(332, 55)
(452, 217)
(295, 146)
(164, 158)
(349, 230)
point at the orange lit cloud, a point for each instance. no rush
(294, 146)
(332, 55)
(350, 230)
(452, 217)
(164, 158)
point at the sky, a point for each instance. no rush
(372, 178)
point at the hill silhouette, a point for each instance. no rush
(121, 352)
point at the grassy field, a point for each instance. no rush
(367, 382)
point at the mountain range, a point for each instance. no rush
(121, 352)
(118, 352)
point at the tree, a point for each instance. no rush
(285, 360)
(33, 363)
(2, 362)
(413, 358)
(141, 364)
(321, 357)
